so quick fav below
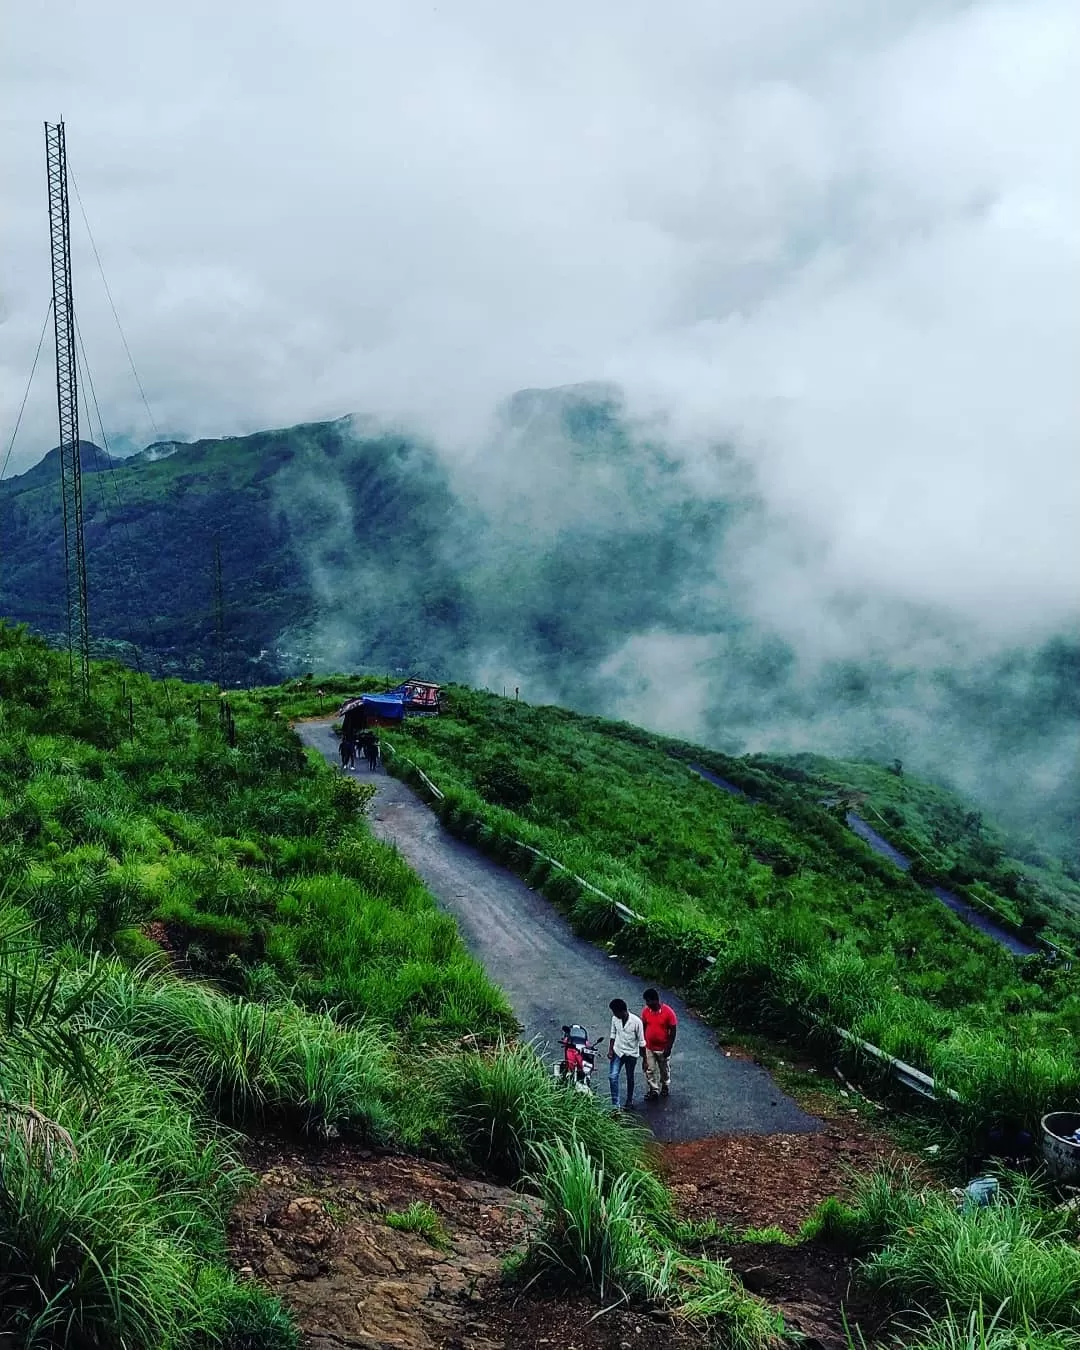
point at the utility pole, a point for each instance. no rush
(219, 610)
(67, 403)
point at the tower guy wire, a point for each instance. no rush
(26, 392)
(18, 423)
(112, 305)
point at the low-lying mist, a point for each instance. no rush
(600, 559)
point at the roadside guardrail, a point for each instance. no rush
(905, 1074)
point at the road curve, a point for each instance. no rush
(964, 909)
(551, 976)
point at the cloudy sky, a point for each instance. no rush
(843, 235)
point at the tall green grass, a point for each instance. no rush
(1017, 1255)
(1014, 1254)
(501, 1106)
(809, 931)
(599, 1230)
(319, 951)
(980, 1330)
(270, 1063)
(596, 1225)
(113, 1197)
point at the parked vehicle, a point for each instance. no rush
(578, 1058)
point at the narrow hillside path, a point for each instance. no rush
(551, 976)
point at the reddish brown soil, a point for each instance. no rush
(815, 1290)
(313, 1230)
(761, 1181)
(516, 1322)
(770, 1180)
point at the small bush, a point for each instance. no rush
(980, 1330)
(241, 1316)
(1015, 1255)
(594, 1229)
(339, 1081)
(502, 783)
(882, 1203)
(1010, 1255)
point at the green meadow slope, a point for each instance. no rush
(202, 945)
(948, 838)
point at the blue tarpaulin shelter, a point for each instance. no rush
(391, 706)
(414, 697)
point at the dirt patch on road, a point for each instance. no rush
(770, 1180)
(765, 1181)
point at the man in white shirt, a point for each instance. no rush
(626, 1045)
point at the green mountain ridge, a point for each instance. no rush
(573, 556)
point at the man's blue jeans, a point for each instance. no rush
(615, 1067)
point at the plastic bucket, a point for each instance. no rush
(1061, 1153)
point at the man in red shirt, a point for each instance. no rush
(661, 1026)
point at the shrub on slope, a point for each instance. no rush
(503, 1106)
(113, 1191)
(1015, 1256)
(598, 1228)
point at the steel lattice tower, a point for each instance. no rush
(67, 403)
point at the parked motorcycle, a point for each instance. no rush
(578, 1058)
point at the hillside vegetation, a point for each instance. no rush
(947, 838)
(571, 550)
(278, 502)
(200, 940)
(809, 929)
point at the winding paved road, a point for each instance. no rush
(551, 976)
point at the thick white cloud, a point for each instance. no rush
(844, 234)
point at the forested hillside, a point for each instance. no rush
(151, 525)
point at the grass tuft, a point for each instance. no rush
(421, 1219)
(599, 1230)
(1017, 1255)
(501, 1105)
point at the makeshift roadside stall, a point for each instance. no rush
(413, 698)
